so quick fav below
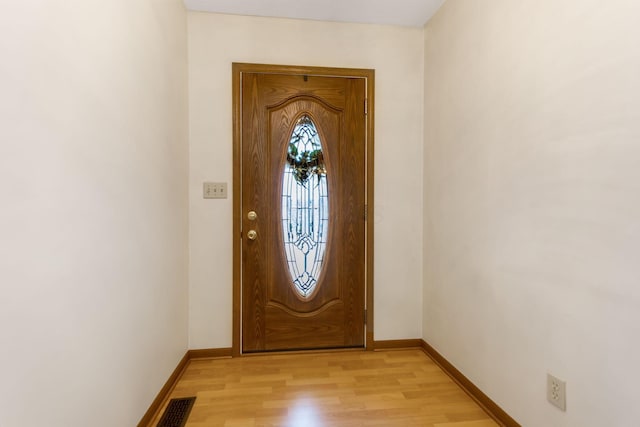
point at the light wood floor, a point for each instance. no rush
(354, 388)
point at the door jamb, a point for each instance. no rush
(237, 70)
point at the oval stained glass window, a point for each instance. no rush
(305, 207)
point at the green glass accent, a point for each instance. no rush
(305, 207)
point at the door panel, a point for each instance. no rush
(274, 315)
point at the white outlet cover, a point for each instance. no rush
(557, 392)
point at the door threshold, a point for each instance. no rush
(303, 351)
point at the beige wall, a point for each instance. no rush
(529, 238)
(215, 41)
(93, 217)
(532, 203)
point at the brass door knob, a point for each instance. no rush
(252, 234)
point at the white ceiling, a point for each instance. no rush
(394, 12)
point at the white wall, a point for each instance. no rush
(532, 203)
(93, 217)
(215, 41)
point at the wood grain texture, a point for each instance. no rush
(348, 388)
(237, 206)
(369, 76)
(255, 151)
(282, 122)
(474, 392)
(263, 117)
(353, 189)
(370, 84)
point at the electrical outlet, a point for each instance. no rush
(557, 392)
(214, 190)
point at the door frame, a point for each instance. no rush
(238, 69)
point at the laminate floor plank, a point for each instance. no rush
(342, 389)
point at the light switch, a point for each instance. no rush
(215, 190)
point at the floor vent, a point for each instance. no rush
(177, 412)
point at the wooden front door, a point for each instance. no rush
(303, 208)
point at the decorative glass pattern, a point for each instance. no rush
(305, 207)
